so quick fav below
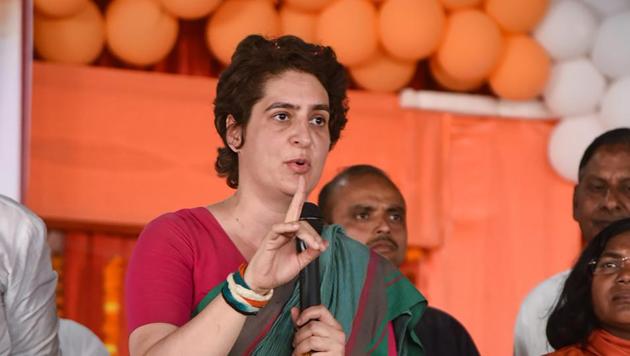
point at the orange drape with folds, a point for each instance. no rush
(117, 146)
(86, 257)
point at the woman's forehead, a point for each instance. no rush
(619, 243)
(292, 83)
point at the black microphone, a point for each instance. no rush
(309, 275)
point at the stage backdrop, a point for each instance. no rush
(115, 148)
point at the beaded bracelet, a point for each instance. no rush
(240, 296)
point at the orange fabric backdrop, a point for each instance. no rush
(85, 260)
(120, 147)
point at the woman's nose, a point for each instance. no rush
(301, 134)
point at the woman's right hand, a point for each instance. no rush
(318, 332)
(277, 261)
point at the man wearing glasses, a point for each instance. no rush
(601, 196)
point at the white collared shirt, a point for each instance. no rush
(530, 332)
(28, 319)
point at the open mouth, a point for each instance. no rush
(299, 165)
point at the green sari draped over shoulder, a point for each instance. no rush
(362, 290)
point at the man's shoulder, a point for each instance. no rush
(16, 212)
(77, 339)
(547, 291)
(440, 319)
(531, 322)
(17, 220)
(442, 334)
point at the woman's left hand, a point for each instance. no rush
(318, 332)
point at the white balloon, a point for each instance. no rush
(574, 88)
(568, 142)
(568, 30)
(616, 104)
(606, 8)
(611, 52)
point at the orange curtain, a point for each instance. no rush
(507, 225)
(121, 147)
(88, 277)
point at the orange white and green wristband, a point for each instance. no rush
(240, 296)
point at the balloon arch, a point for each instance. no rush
(572, 54)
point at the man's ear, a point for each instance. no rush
(234, 133)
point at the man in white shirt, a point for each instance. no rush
(601, 196)
(28, 319)
(28, 315)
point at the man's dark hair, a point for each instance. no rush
(573, 318)
(254, 62)
(616, 137)
(354, 171)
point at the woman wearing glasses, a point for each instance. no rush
(592, 316)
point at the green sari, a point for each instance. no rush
(362, 290)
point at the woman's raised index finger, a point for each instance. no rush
(295, 208)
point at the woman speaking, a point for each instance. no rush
(222, 278)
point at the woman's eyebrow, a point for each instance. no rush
(322, 107)
(611, 254)
(284, 105)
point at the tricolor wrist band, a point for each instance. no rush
(240, 296)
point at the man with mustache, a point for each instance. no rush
(370, 207)
(601, 196)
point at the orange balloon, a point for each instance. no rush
(307, 5)
(523, 69)
(349, 27)
(140, 32)
(190, 9)
(517, 15)
(449, 82)
(298, 23)
(470, 47)
(234, 20)
(411, 29)
(77, 39)
(459, 4)
(60, 8)
(383, 73)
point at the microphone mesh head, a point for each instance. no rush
(313, 215)
(310, 210)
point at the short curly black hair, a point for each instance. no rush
(255, 61)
